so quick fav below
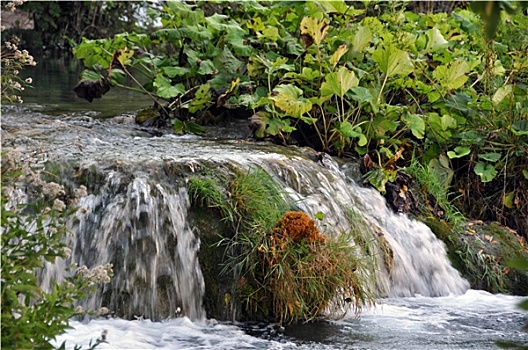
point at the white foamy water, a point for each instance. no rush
(474, 320)
(180, 333)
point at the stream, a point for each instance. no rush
(133, 204)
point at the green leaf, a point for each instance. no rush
(275, 126)
(502, 93)
(490, 157)
(433, 96)
(339, 83)
(90, 75)
(363, 95)
(459, 152)
(178, 126)
(525, 174)
(440, 168)
(319, 215)
(347, 130)
(256, 24)
(227, 62)
(361, 39)
(25, 288)
(194, 128)
(520, 127)
(117, 75)
(223, 24)
(416, 123)
(201, 100)
(393, 61)
(124, 56)
(289, 99)
(207, 67)
(172, 72)
(507, 199)
(486, 171)
(435, 40)
(309, 74)
(165, 89)
(270, 34)
(453, 75)
(335, 6)
(448, 122)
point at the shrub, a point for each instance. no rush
(32, 235)
(12, 60)
(285, 269)
(308, 274)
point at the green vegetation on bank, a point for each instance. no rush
(280, 266)
(348, 79)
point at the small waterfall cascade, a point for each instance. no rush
(419, 260)
(136, 215)
(141, 228)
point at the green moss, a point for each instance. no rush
(445, 232)
(481, 253)
(251, 272)
(145, 115)
(209, 227)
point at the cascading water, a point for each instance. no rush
(420, 263)
(141, 228)
(135, 217)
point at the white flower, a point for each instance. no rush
(81, 191)
(28, 80)
(67, 252)
(53, 189)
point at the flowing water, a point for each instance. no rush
(474, 320)
(135, 216)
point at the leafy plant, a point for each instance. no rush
(32, 232)
(336, 77)
(12, 60)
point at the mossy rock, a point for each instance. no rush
(147, 116)
(210, 229)
(482, 253)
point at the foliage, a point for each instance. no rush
(60, 25)
(32, 236)
(12, 60)
(345, 81)
(286, 269)
(436, 198)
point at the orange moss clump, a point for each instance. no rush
(298, 226)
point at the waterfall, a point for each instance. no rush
(140, 226)
(420, 265)
(136, 215)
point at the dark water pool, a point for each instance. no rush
(52, 92)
